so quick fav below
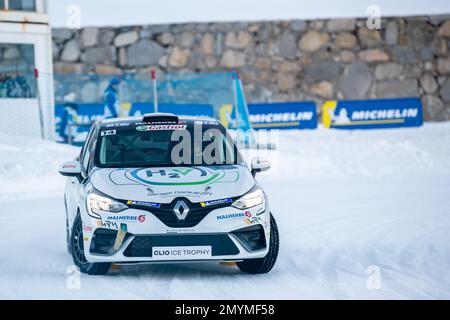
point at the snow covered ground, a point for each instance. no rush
(362, 214)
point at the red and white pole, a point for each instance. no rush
(39, 102)
(155, 92)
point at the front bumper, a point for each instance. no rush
(231, 234)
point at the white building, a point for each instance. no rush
(26, 104)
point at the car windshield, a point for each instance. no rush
(181, 144)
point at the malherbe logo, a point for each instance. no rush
(140, 218)
(246, 214)
(122, 218)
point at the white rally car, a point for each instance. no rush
(160, 188)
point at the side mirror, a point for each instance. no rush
(70, 169)
(260, 165)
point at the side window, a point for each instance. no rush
(86, 142)
(87, 148)
(17, 80)
(22, 5)
(86, 157)
(92, 147)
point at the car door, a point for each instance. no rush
(75, 183)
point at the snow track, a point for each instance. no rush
(345, 203)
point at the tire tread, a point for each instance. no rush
(264, 265)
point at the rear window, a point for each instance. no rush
(181, 144)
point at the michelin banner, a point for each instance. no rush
(288, 115)
(373, 114)
(73, 120)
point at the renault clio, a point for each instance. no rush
(163, 188)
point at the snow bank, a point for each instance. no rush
(346, 203)
(29, 167)
(363, 154)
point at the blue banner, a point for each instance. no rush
(287, 115)
(73, 120)
(373, 114)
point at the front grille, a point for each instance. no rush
(167, 216)
(141, 246)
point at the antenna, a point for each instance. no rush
(155, 92)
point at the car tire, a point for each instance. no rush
(69, 247)
(77, 248)
(264, 265)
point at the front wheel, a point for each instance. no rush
(264, 265)
(77, 248)
(69, 247)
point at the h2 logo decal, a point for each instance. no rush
(173, 174)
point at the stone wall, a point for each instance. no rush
(282, 60)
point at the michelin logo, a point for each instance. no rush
(281, 117)
(144, 204)
(341, 118)
(367, 115)
(216, 202)
(284, 115)
(382, 113)
(385, 114)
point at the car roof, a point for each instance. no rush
(140, 119)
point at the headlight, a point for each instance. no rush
(253, 198)
(97, 202)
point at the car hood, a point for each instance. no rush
(163, 184)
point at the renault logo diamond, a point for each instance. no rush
(181, 210)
